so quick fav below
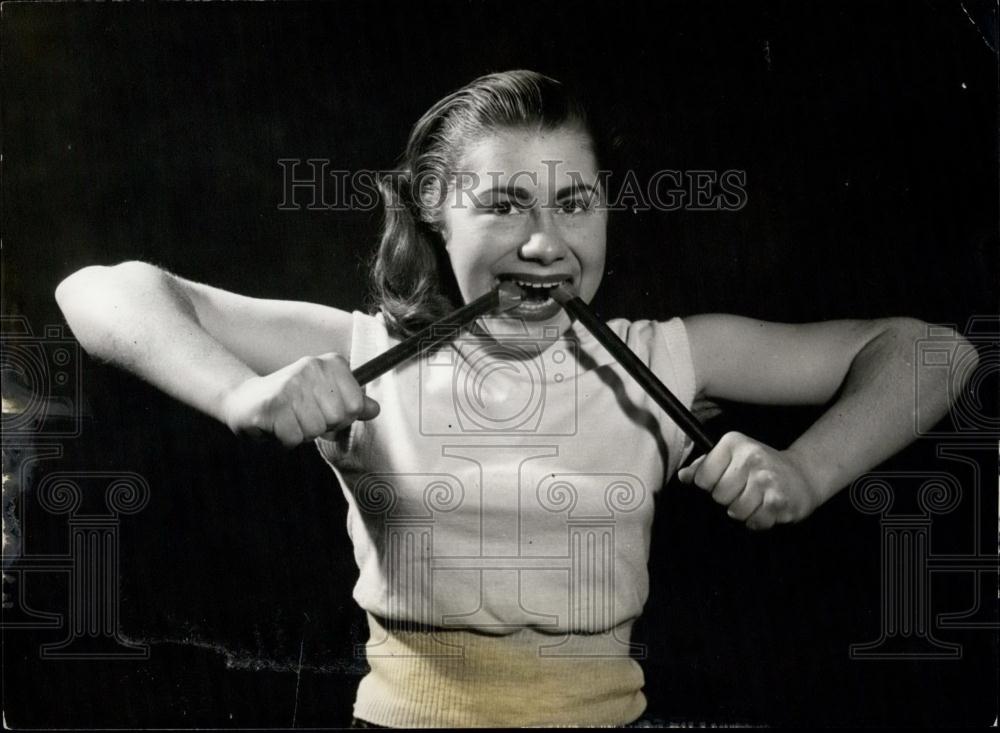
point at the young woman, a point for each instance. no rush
(500, 489)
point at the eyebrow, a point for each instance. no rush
(520, 193)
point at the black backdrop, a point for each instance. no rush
(868, 135)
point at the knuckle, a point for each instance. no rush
(731, 438)
(354, 402)
(754, 454)
(283, 400)
(764, 477)
(774, 501)
(337, 416)
(310, 369)
(313, 427)
(341, 421)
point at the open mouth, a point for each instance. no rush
(535, 291)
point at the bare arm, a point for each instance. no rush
(195, 342)
(868, 366)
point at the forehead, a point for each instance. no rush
(504, 152)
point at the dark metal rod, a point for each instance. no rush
(504, 297)
(634, 366)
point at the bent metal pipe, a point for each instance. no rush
(502, 298)
(687, 422)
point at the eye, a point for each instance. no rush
(574, 206)
(507, 207)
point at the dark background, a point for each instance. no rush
(868, 133)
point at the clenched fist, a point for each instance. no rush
(312, 396)
(760, 486)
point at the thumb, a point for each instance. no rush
(370, 410)
(686, 474)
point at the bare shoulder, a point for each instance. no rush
(268, 334)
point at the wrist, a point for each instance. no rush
(816, 472)
(225, 401)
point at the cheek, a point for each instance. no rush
(463, 263)
(482, 242)
(469, 253)
(598, 247)
(594, 247)
(593, 254)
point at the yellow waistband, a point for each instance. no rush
(430, 679)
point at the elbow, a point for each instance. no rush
(946, 364)
(932, 352)
(892, 340)
(87, 297)
(939, 349)
(78, 296)
(966, 361)
(931, 368)
(72, 289)
(83, 285)
(906, 329)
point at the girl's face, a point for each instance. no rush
(526, 206)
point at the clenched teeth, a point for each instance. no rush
(539, 286)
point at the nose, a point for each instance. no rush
(545, 244)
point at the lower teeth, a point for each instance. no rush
(536, 298)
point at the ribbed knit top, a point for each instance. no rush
(503, 498)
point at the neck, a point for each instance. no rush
(542, 333)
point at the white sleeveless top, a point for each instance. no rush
(506, 491)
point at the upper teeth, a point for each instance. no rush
(525, 284)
